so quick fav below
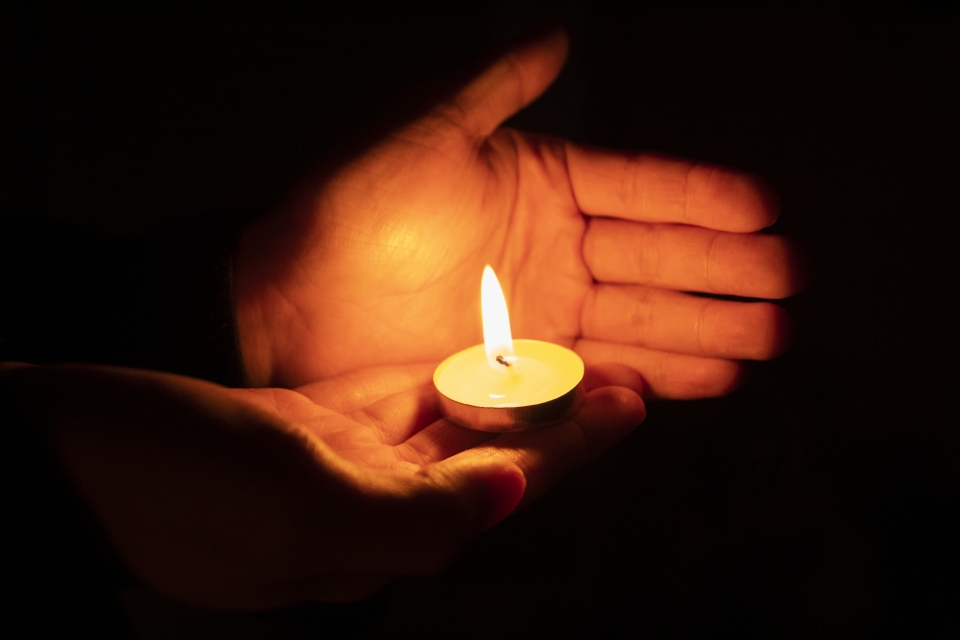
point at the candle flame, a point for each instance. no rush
(497, 338)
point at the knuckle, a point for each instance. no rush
(715, 259)
(591, 319)
(641, 314)
(594, 249)
(701, 324)
(650, 262)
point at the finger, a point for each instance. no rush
(607, 415)
(612, 374)
(376, 428)
(352, 391)
(650, 189)
(505, 87)
(398, 416)
(692, 259)
(671, 321)
(668, 375)
(444, 439)
(439, 441)
(424, 521)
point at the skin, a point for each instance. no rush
(379, 262)
(244, 499)
(342, 476)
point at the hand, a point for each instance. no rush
(379, 262)
(259, 498)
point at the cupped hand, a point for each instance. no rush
(379, 262)
(259, 498)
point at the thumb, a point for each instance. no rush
(497, 489)
(450, 505)
(515, 80)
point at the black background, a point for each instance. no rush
(818, 500)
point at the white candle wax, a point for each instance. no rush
(539, 373)
(506, 384)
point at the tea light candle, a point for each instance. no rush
(505, 384)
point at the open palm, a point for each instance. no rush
(257, 498)
(380, 262)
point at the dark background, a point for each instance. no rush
(817, 501)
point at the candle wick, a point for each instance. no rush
(503, 361)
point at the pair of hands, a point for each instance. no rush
(252, 498)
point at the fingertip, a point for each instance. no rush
(782, 331)
(552, 36)
(520, 72)
(755, 202)
(540, 57)
(789, 267)
(768, 201)
(702, 378)
(557, 39)
(729, 200)
(740, 374)
(505, 489)
(633, 408)
(613, 407)
(800, 266)
(534, 60)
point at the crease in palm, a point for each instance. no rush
(596, 249)
(408, 275)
